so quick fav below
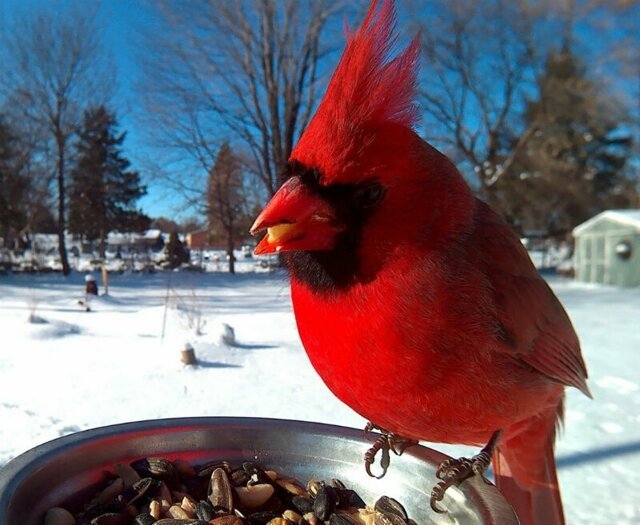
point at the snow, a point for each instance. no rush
(68, 370)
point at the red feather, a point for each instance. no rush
(367, 91)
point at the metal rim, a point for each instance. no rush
(491, 505)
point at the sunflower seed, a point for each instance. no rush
(207, 469)
(204, 510)
(343, 518)
(325, 502)
(141, 488)
(388, 519)
(144, 519)
(256, 472)
(389, 506)
(240, 477)
(159, 468)
(302, 504)
(349, 498)
(220, 491)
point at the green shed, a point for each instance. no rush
(608, 248)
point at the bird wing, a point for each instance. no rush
(531, 322)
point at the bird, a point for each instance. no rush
(416, 302)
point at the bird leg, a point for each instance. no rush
(454, 471)
(386, 442)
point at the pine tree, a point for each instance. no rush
(226, 200)
(573, 165)
(13, 184)
(175, 252)
(103, 189)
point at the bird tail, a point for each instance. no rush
(525, 473)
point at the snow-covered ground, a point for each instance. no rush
(70, 370)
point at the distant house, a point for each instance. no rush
(608, 248)
(198, 240)
(150, 240)
(203, 240)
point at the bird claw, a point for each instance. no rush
(452, 472)
(369, 460)
(437, 494)
(386, 442)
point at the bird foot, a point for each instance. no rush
(384, 443)
(454, 471)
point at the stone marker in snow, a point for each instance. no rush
(228, 335)
(188, 355)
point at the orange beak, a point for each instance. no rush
(296, 219)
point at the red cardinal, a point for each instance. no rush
(416, 303)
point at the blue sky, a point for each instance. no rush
(125, 22)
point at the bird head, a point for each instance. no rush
(360, 182)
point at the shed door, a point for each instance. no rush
(593, 259)
(599, 259)
(586, 258)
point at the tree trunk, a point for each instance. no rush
(232, 261)
(102, 246)
(62, 247)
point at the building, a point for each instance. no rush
(150, 240)
(608, 248)
(198, 240)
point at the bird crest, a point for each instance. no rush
(368, 90)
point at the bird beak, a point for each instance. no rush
(296, 219)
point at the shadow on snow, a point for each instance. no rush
(598, 454)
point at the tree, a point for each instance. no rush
(25, 197)
(479, 60)
(482, 61)
(13, 185)
(175, 251)
(226, 200)
(191, 224)
(52, 71)
(246, 70)
(104, 189)
(573, 165)
(165, 225)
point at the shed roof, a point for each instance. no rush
(630, 217)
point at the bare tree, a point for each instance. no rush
(625, 52)
(227, 200)
(479, 61)
(246, 70)
(52, 73)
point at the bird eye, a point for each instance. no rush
(315, 176)
(370, 195)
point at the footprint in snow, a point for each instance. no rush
(56, 330)
(68, 429)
